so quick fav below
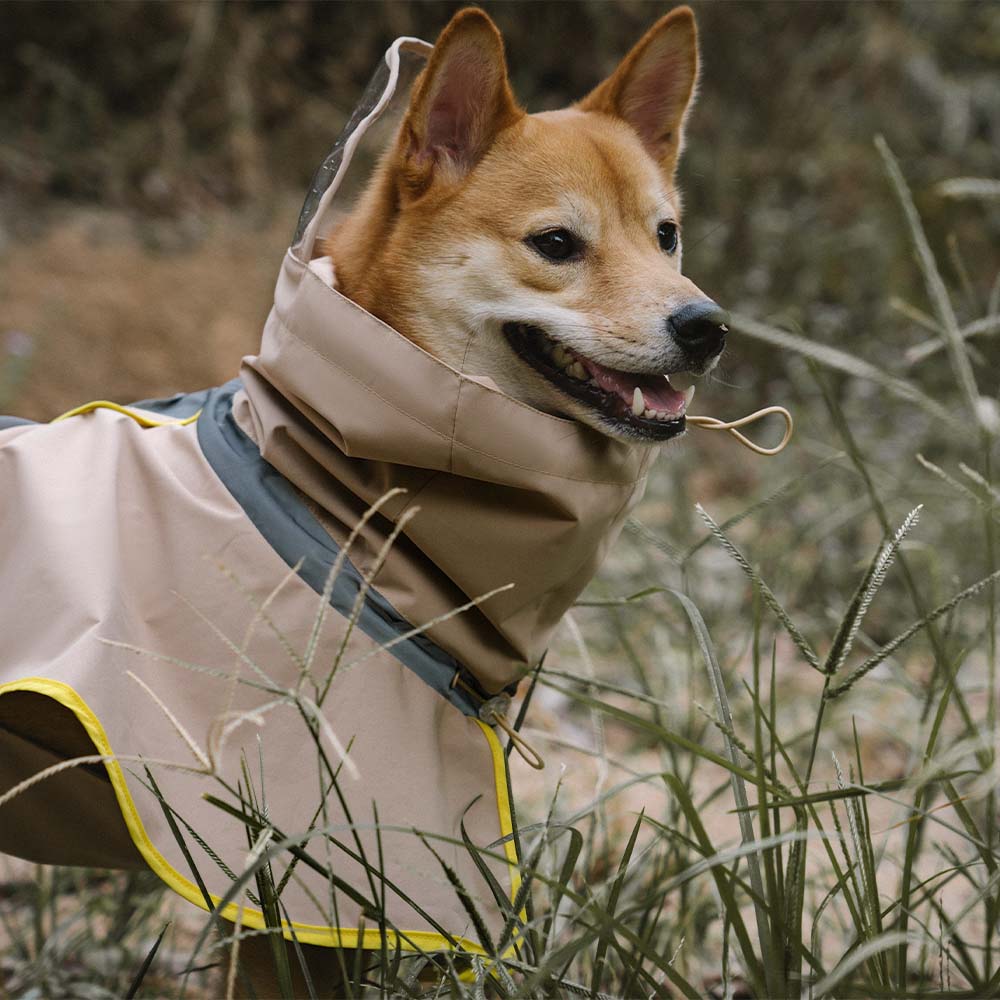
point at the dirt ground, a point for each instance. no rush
(97, 305)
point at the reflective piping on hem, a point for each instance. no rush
(501, 779)
(315, 934)
(143, 419)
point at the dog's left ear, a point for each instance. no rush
(460, 103)
(653, 87)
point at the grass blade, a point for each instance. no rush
(146, 963)
(604, 940)
(936, 291)
(848, 364)
(765, 592)
(881, 654)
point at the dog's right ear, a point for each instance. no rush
(461, 102)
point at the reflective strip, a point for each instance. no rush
(143, 419)
(315, 934)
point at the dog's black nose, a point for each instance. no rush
(700, 328)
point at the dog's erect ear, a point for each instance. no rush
(460, 102)
(653, 86)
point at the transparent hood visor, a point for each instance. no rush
(385, 98)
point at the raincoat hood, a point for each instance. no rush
(123, 640)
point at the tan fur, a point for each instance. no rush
(436, 244)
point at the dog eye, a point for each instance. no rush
(557, 244)
(668, 236)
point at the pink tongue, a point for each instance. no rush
(656, 390)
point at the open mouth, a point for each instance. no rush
(630, 403)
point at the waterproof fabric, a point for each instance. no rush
(162, 568)
(115, 532)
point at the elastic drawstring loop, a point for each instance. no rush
(527, 752)
(714, 424)
(493, 711)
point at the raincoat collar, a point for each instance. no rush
(347, 408)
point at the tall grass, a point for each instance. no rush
(824, 825)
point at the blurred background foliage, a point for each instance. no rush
(170, 111)
(168, 125)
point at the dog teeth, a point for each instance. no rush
(577, 371)
(560, 356)
(649, 414)
(688, 396)
(638, 403)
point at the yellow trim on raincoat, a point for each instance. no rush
(142, 417)
(315, 934)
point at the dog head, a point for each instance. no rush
(544, 250)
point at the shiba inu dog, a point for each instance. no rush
(489, 334)
(542, 250)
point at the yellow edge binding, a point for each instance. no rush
(317, 934)
(144, 418)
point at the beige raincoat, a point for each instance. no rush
(147, 539)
